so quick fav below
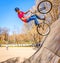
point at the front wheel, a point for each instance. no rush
(44, 6)
(43, 29)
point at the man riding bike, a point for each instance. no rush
(26, 19)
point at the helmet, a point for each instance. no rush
(16, 9)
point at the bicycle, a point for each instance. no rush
(43, 28)
(44, 6)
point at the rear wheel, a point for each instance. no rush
(43, 29)
(44, 7)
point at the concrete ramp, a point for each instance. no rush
(50, 51)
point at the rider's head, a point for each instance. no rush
(17, 9)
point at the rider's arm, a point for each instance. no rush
(27, 12)
(23, 18)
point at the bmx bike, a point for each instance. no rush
(43, 7)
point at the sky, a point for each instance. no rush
(8, 16)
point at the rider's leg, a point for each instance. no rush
(40, 17)
(33, 17)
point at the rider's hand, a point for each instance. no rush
(27, 11)
(23, 18)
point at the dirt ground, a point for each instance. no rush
(22, 52)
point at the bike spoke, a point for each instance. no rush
(43, 8)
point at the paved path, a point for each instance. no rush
(22, 52)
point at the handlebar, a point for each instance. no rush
(33, 12)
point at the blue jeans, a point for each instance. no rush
(33, 17)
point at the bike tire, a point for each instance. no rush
(41, 31)
(38, 7)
